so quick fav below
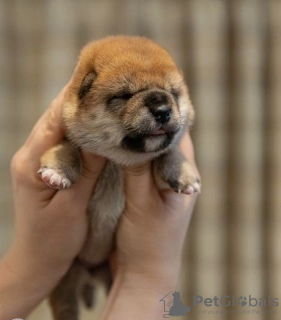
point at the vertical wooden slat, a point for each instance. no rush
(209, 225)
(132, 17)
(273, 157)
(29, 30)
(245, 153)
(7, 121)
(99, 16)
(152, 20)
(60, 53)
(172, 29)
(105, 18)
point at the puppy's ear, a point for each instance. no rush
(86, 84)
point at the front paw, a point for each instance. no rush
(187, 181)
(54, 178)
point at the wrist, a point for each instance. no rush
(152, 280)
(18, 295)
(154, 270)
(23, 285)
(32, 273)
(138, 294)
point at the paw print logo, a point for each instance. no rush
(242, 301)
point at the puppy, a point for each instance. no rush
(127, 101)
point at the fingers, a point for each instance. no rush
(187, 147)
(139, 182)
(92, 168)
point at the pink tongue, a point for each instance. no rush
(158, 132)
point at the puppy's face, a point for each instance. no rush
(127, 100)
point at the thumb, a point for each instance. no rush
(92, 168)
(138, 182)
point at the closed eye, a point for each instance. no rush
(175, 94)
(125, 96)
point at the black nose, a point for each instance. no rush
(161, 114)
(158, 104)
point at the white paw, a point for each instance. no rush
(190, 188)
(54, 179)
(187, 182)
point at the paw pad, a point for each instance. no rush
(192, 188)
(54, 179)
(186, 188)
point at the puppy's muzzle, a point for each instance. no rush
(158, 103)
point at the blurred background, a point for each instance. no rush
(230, 52)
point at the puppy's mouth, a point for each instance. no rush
(158, 132)
(161, 130)
(153, 140)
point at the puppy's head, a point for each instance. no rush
(127, 100)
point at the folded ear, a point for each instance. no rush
(86, 84)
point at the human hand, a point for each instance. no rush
(152, 229)
(51, 225)
(150, 238)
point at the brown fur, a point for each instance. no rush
(112, 109)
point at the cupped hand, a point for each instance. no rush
(51, 225)
(152, 230)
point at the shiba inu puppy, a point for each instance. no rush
(127, 101)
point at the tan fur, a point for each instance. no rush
(112, 109)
